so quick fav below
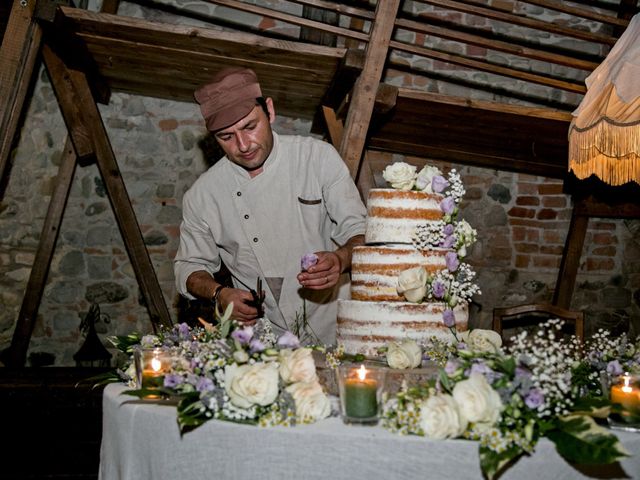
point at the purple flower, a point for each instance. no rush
(451, 366)
(449, 318)
(522, 372)
(308, 260)
(288, 340)
(452, 261)
(614, 368)
(481, 368)
(204, 384)
(448, 229)
(256, 346)
(438, 289)
(439, 183)
(448, 241)
(447, 205)
(172, 380)
(534, 398)
(183, 330)
(243, 335)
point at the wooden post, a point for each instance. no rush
(20, 46)
(72, 89)
(364, 94)
(17, 354)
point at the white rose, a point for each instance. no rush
(440, 418)
(404, 355)
(249, 385)
(400, 175)
(424, 178)
(311, 402)
(297, 365)
(412, 283)
(479, 340)
(477, 400)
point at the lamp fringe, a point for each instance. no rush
(610, 151)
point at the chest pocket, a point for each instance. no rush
(304, 201)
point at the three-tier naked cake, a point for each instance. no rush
(402, 279)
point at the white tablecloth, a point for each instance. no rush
(142, 441)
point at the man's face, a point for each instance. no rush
(249, 141)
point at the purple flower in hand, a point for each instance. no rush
(205, 384)
(452, 261)
(439, 183)
(534, 398)
(308, 260)
(614, 368)
(243, 335)
(448, 205)
(256, 346)
(438, 289)
(449, 318)
(288, 340)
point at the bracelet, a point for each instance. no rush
(216, 294)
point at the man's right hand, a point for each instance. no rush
(243, 312)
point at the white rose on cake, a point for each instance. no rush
(440, 418)
(406, 354)
(249, 385)
(425, 178)
(297, 365)
(478, 402)
(412, 283)
(400, 175)
(311, 402)
(479, 340)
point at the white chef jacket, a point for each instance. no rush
(304, 201)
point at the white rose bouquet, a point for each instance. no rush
(507, 399)
(235, 373)
(405, 354)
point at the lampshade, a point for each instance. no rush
(604, 135)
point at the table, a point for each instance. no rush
(141, 440)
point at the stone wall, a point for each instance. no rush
(522, 222)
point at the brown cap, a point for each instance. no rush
(230, 96)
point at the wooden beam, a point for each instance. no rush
(334, 125)
(570, 260)
(17, 354)
(18, 54)
(116, 190)
(364, 94)
(63, 81)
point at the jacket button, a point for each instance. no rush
(239, 194)
(255, 239)
(246, 217)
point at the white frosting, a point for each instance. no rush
(365, 326)
(375, 269)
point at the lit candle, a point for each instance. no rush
(155, 364)
(360, 395)
(627, 394)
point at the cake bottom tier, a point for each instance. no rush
(363, 327)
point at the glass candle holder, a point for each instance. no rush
(151, 365)
(360, 390)
(625, 391)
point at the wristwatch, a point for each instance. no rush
(216, 294)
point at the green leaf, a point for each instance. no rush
(191, 412)
(579, 439)
(492, 463)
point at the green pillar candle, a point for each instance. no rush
(360, 398)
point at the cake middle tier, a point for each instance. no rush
(375, 269)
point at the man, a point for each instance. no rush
(270, 200)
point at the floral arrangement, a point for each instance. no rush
(235, 373)
(454, 284)
(509, 398)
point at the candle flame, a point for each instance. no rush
(156, 364)
(362, 373)
(626, 387)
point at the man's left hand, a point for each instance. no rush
(324, 274)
